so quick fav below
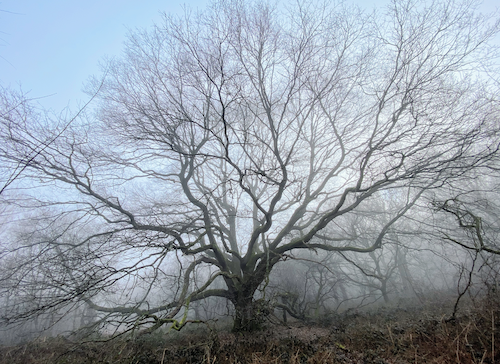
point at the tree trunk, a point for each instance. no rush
(249, 315)
(383, 289)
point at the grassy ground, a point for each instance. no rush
(385, 335)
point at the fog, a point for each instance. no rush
(251, 164)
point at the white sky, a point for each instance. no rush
(51, 47)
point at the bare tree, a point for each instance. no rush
(23, 132)
(307, 286)
(16, 111)
(225, 139)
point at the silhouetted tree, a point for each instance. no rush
(224, 140)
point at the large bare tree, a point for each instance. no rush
(224, 139)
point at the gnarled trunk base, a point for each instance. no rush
(250, 315)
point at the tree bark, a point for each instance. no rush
(249, 315)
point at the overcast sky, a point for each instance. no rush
(51, 47)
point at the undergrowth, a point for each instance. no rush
(425, 334)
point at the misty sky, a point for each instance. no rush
(51, 47)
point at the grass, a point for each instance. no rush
(414, 335)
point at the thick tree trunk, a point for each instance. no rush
(249, 314)
(246, 319)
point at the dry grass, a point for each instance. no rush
(426, 335)
(386, 335)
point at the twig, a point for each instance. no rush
(163, 356)
(492, 336)
(390, 335)
(44, 145)
(484, 356)
(414, 347)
